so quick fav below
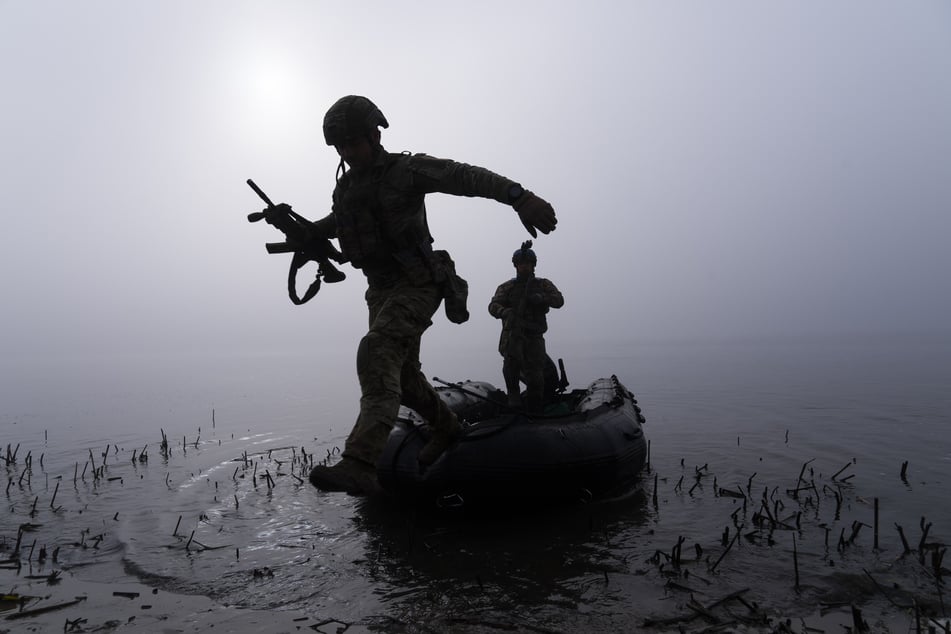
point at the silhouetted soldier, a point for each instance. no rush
(522, 304)
(379, 219)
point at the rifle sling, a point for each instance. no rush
(299, 260)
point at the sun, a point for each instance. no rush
(268, 94)
(271, 86)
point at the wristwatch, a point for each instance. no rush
(515, 192)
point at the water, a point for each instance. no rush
(228, 513)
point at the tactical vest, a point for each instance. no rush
(529, 319)
(381, 223)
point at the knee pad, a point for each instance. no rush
(363, 353)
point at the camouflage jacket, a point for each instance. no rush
(520, 316)
(379, 214)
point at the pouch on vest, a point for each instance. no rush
(455, 290)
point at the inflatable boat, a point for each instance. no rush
(586, 444)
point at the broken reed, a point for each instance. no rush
(767, 517)
(96, 465)
(10, 457)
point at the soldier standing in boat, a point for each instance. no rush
(379, 218)
(522, 304)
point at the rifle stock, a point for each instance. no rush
(279, 247)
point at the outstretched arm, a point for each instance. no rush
(431, 174)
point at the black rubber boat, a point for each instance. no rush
(587, 444)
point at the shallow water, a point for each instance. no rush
(228, 514)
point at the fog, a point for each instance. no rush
(719, 170)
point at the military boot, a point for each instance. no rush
(349, 475)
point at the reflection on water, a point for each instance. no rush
(512, 568)
(228, 512)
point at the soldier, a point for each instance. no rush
(522, 303)
(379, 218)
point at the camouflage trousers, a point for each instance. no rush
(524, 358)
(389, 369)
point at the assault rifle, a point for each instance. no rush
(301, 241)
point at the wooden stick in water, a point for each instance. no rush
(901, 533)
(875, 541)
(841, 470)
(795, 557)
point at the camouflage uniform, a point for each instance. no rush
(379, 219)
(522, 344)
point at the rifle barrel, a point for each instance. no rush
(257, 190)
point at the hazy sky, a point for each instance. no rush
(719, 169)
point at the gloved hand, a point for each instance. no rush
(506, 314)
(277, 211)
(535, 212)
(536, 299)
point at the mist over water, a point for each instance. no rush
(750, 416)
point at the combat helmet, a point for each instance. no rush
(351, 117)
(525, 254)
